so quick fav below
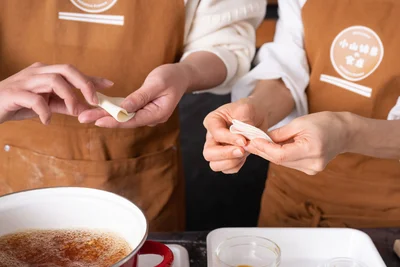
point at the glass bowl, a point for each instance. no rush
(248, 251)
(343, 262)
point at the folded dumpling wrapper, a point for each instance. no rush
(248, 131)
(113, 106)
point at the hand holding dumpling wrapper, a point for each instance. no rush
(113, 106)
(248, 131)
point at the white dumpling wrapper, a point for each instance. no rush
(248, 131)
(113, 106)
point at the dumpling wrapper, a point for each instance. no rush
(248, 131)
(113, 106)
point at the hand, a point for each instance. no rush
(41, 90)
(223, 149)
(307, 143)
(153, 102)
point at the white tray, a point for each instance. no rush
(181, 258)
(305, 247)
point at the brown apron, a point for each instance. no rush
(142, 164)
(352, 48)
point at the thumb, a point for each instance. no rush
(138, 99)
(284, 133)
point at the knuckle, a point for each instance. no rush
(205, 121)
(232, 171)
(213, 167)
(206, 154)
(245, 108)
(54, 78)
(37, 101)
(318, 149)
(280, 159)
(37, 64)
(318, 165)
(311, 172)
(143, 98)
(219, 136)
(68, 67)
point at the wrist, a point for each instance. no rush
(273, 100)
(189, 74)
(353, 129)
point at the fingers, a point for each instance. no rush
(310, 166)
(293, 155)
(110, 122)
(227, 166)
(149, 115)
(284, 133)
(92, 115)
(235, 169)
(29, 100)
(218, 127)
(57, 105)
(77, 79)
(138, 99)
(279, 154)
(227, 159)
(216, 152)
(54, 83)
(37, 64)
(100, 83)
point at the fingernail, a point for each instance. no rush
(128, 106)
(237, 153)
(240, 142)
(98, 124)
(107, 82)
(48, 121)
(82, 120)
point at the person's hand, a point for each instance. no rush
(224, 150)
(307, 143)
(41, 90)
(154, 102)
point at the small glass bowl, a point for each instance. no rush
(248, 251)
(343, 262)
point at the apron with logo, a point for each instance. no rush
(121, 40)
(353, 53)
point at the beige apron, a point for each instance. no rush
(353, 53)
(142, 164)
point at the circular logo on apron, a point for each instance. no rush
(356, 53)
(94, 6)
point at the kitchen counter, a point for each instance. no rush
(195, 243)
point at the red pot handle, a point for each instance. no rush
(151, 247)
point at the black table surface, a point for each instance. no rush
(195, 243)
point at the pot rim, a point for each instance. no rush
(133, 252)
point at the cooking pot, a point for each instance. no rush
(81, 208)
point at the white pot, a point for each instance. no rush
(72, 207)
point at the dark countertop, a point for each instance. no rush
(195, 243)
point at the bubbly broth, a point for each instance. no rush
(62, 248)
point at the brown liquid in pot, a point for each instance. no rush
(62, 248)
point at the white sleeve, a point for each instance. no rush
(394, 113)
(284, 58)
(227, 29)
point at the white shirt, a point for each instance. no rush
(286, 58)
(226, 28)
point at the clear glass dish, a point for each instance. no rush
(343, 262)
(248, 251)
